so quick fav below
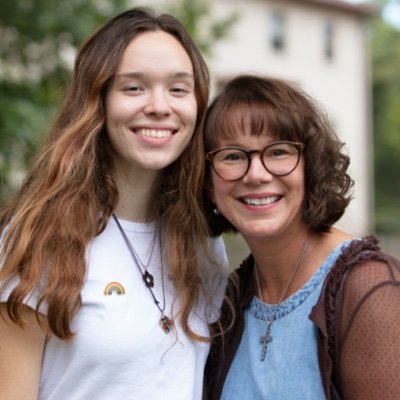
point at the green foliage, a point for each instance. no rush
(39, 40)
(195, 14)
(386, 107)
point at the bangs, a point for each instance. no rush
(253, 117)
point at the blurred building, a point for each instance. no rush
(323, 46)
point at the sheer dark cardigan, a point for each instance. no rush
(358, 321)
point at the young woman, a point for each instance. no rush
(278, 176)
(106, 287)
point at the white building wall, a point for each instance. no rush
(341, 85)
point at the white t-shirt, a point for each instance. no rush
(120, 350)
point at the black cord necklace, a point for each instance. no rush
(166, 323)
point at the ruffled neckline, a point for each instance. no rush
(267, 311)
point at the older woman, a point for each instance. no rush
(316, 310)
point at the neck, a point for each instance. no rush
(282, 266)
(136, 195)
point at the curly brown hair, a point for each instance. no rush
(70, 195)
(268, 106)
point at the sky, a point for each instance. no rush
(391, 13)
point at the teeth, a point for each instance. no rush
(154, 133)
(261, 202)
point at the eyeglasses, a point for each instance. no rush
(278, 158)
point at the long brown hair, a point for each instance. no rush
(70, 195)
(268, 106)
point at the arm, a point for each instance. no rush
(21, 353)
(370, 333)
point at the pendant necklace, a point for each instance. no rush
(267, 338)
(166, 323)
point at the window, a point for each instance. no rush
(328, 40)
(277, 31)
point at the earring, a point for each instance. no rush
(215, 211)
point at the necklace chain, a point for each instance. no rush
(267, 338)
(166, 323)
(146, 266)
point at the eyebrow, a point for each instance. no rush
(141, 75)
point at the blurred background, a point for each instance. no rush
(346, 54)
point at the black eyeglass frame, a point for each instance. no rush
(211, 154)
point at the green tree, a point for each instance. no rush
(386, 113)
(39, 38)
(195, 14)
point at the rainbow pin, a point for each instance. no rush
(114, 288)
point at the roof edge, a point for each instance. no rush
(361, 9)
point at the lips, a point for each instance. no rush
(154, 133)
(260, 201)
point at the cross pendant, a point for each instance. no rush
(264, 340)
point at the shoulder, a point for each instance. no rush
(360, 268)
(363, 257)
(361, 294)
(368, 275)
(360, 275)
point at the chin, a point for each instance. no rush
(254, 233)
(258, 231)
(158, 165)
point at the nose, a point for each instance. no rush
(257, 173)
(157, 104)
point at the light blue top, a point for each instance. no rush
(290, 370)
